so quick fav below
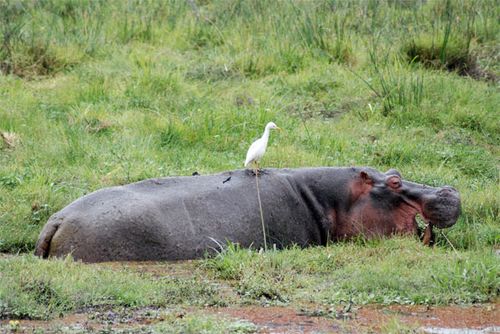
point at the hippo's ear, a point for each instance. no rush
(392, 171)
(365, 177)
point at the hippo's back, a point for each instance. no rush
(176, 218)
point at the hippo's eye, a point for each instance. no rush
(394, 182)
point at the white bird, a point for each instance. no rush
(258, 147)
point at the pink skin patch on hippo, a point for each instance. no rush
(363, 218)
(366, 220)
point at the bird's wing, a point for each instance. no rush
(253, 152)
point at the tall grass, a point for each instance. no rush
(395, 86)
(106, 93)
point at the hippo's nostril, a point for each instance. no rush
(447, 190)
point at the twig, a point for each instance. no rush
(261, 212)
(453, 247)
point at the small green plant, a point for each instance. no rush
(395, 326)
(201, 323)
(40, 213)
(10, 181)
(14, 326)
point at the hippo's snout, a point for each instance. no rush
(443, 208)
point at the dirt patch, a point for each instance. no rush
(178, 269)
(468, 317)
(274, 319)
(366, 319)
(75, 321)
(106, 319)
(280, 320)
(9, 139)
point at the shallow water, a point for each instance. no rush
(442, 330)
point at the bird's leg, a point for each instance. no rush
(255, 168)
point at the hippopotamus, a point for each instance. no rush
(187, 217)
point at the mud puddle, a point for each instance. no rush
(437, 330)
(480, 319)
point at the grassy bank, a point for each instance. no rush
(397, 271)
(94, 94)
(36, 289)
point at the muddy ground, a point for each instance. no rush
(452, 319)
(366, 319)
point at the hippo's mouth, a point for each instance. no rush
(440, 208)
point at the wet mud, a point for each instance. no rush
(476, 319)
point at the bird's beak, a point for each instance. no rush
(277, 128)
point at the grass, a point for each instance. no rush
(205, 324)
(400, 271)
(392, 271)
(94, 94)
(36, 289)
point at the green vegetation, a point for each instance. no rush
(193, 324)
(100, 93)
(397, 271)
(392, 271)
(31, 288)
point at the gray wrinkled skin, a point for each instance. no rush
(184, 217)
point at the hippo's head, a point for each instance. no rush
(383, 204)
